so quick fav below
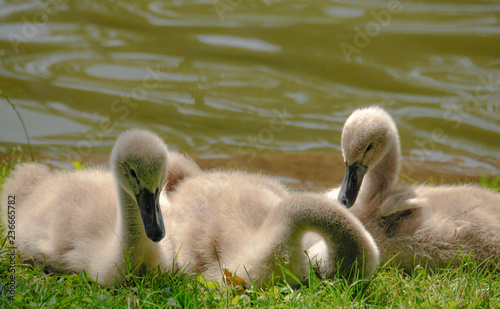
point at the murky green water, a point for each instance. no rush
(249, 77)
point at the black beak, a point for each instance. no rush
(352, 183)
(149, 205)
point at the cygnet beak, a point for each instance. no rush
(352, 183)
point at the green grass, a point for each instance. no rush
(467, 286)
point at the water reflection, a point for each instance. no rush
(243, 43)
(254, 77)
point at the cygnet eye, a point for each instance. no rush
(369, 147)
(133, 174)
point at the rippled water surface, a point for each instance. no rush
(251, 77)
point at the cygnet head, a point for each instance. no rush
(368, 134)
(139, 160)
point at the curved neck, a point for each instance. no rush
(347, 241)
(382, 177)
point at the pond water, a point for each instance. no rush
(240, 78)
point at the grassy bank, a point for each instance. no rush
(468, 286)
